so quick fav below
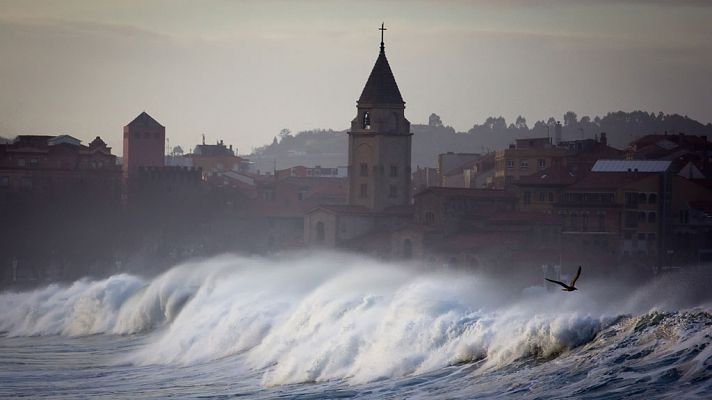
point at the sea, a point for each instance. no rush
(338, 326)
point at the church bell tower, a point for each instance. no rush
(380, 142)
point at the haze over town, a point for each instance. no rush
(242, 71)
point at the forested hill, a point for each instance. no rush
(328, 148)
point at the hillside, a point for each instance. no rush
(328, 148)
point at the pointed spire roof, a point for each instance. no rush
(144, 119)
(381, 87)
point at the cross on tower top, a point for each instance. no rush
(382, 28)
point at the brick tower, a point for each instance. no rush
(144, 144)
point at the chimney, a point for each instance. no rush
(604, 139)
(557, 133)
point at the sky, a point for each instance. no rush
(240, 71)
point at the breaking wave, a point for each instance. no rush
(321, 317)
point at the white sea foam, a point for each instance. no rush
(314, 317)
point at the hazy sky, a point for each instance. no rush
(241, 71)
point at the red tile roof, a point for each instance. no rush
(553, 176)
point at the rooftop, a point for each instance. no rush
(556, 175)
(630, 166)
(144, 119)
(381, 87)
(608, 180)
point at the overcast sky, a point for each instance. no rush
(241, 71)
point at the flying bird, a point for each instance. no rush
(572, 286)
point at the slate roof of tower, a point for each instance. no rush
(381, 87)
(144, 119)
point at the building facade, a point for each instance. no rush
(144, 144)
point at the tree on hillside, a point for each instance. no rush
(495, 124)
(284, 133)
(570, 118)
(434, 120)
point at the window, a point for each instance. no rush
(510, 164)
(33, 162)
(268, 195)
(684, 216)
(551, 197)
(364, 169)
(542, 163)
(542, 196)
(631, 200)
(631, 219)
(562, 217)
(393, 191)
(320, 232)
(651, 217)
(527, 197)
(394, 170)
(642, 198)
(652, 198)
(364, 190)
(574, 221)
(4, 181)
(366, 120)
(641, 217)
(601, 222)
(524, 164)
(584, 222)
(21, 162)
(429, 218)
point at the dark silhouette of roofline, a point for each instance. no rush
(144, 119)
(381, 87)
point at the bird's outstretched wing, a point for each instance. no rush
(573, 283)
(558, 283)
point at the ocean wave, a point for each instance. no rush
(318, 317)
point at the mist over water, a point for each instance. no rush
(330, 317)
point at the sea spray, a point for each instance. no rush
(315, 317)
